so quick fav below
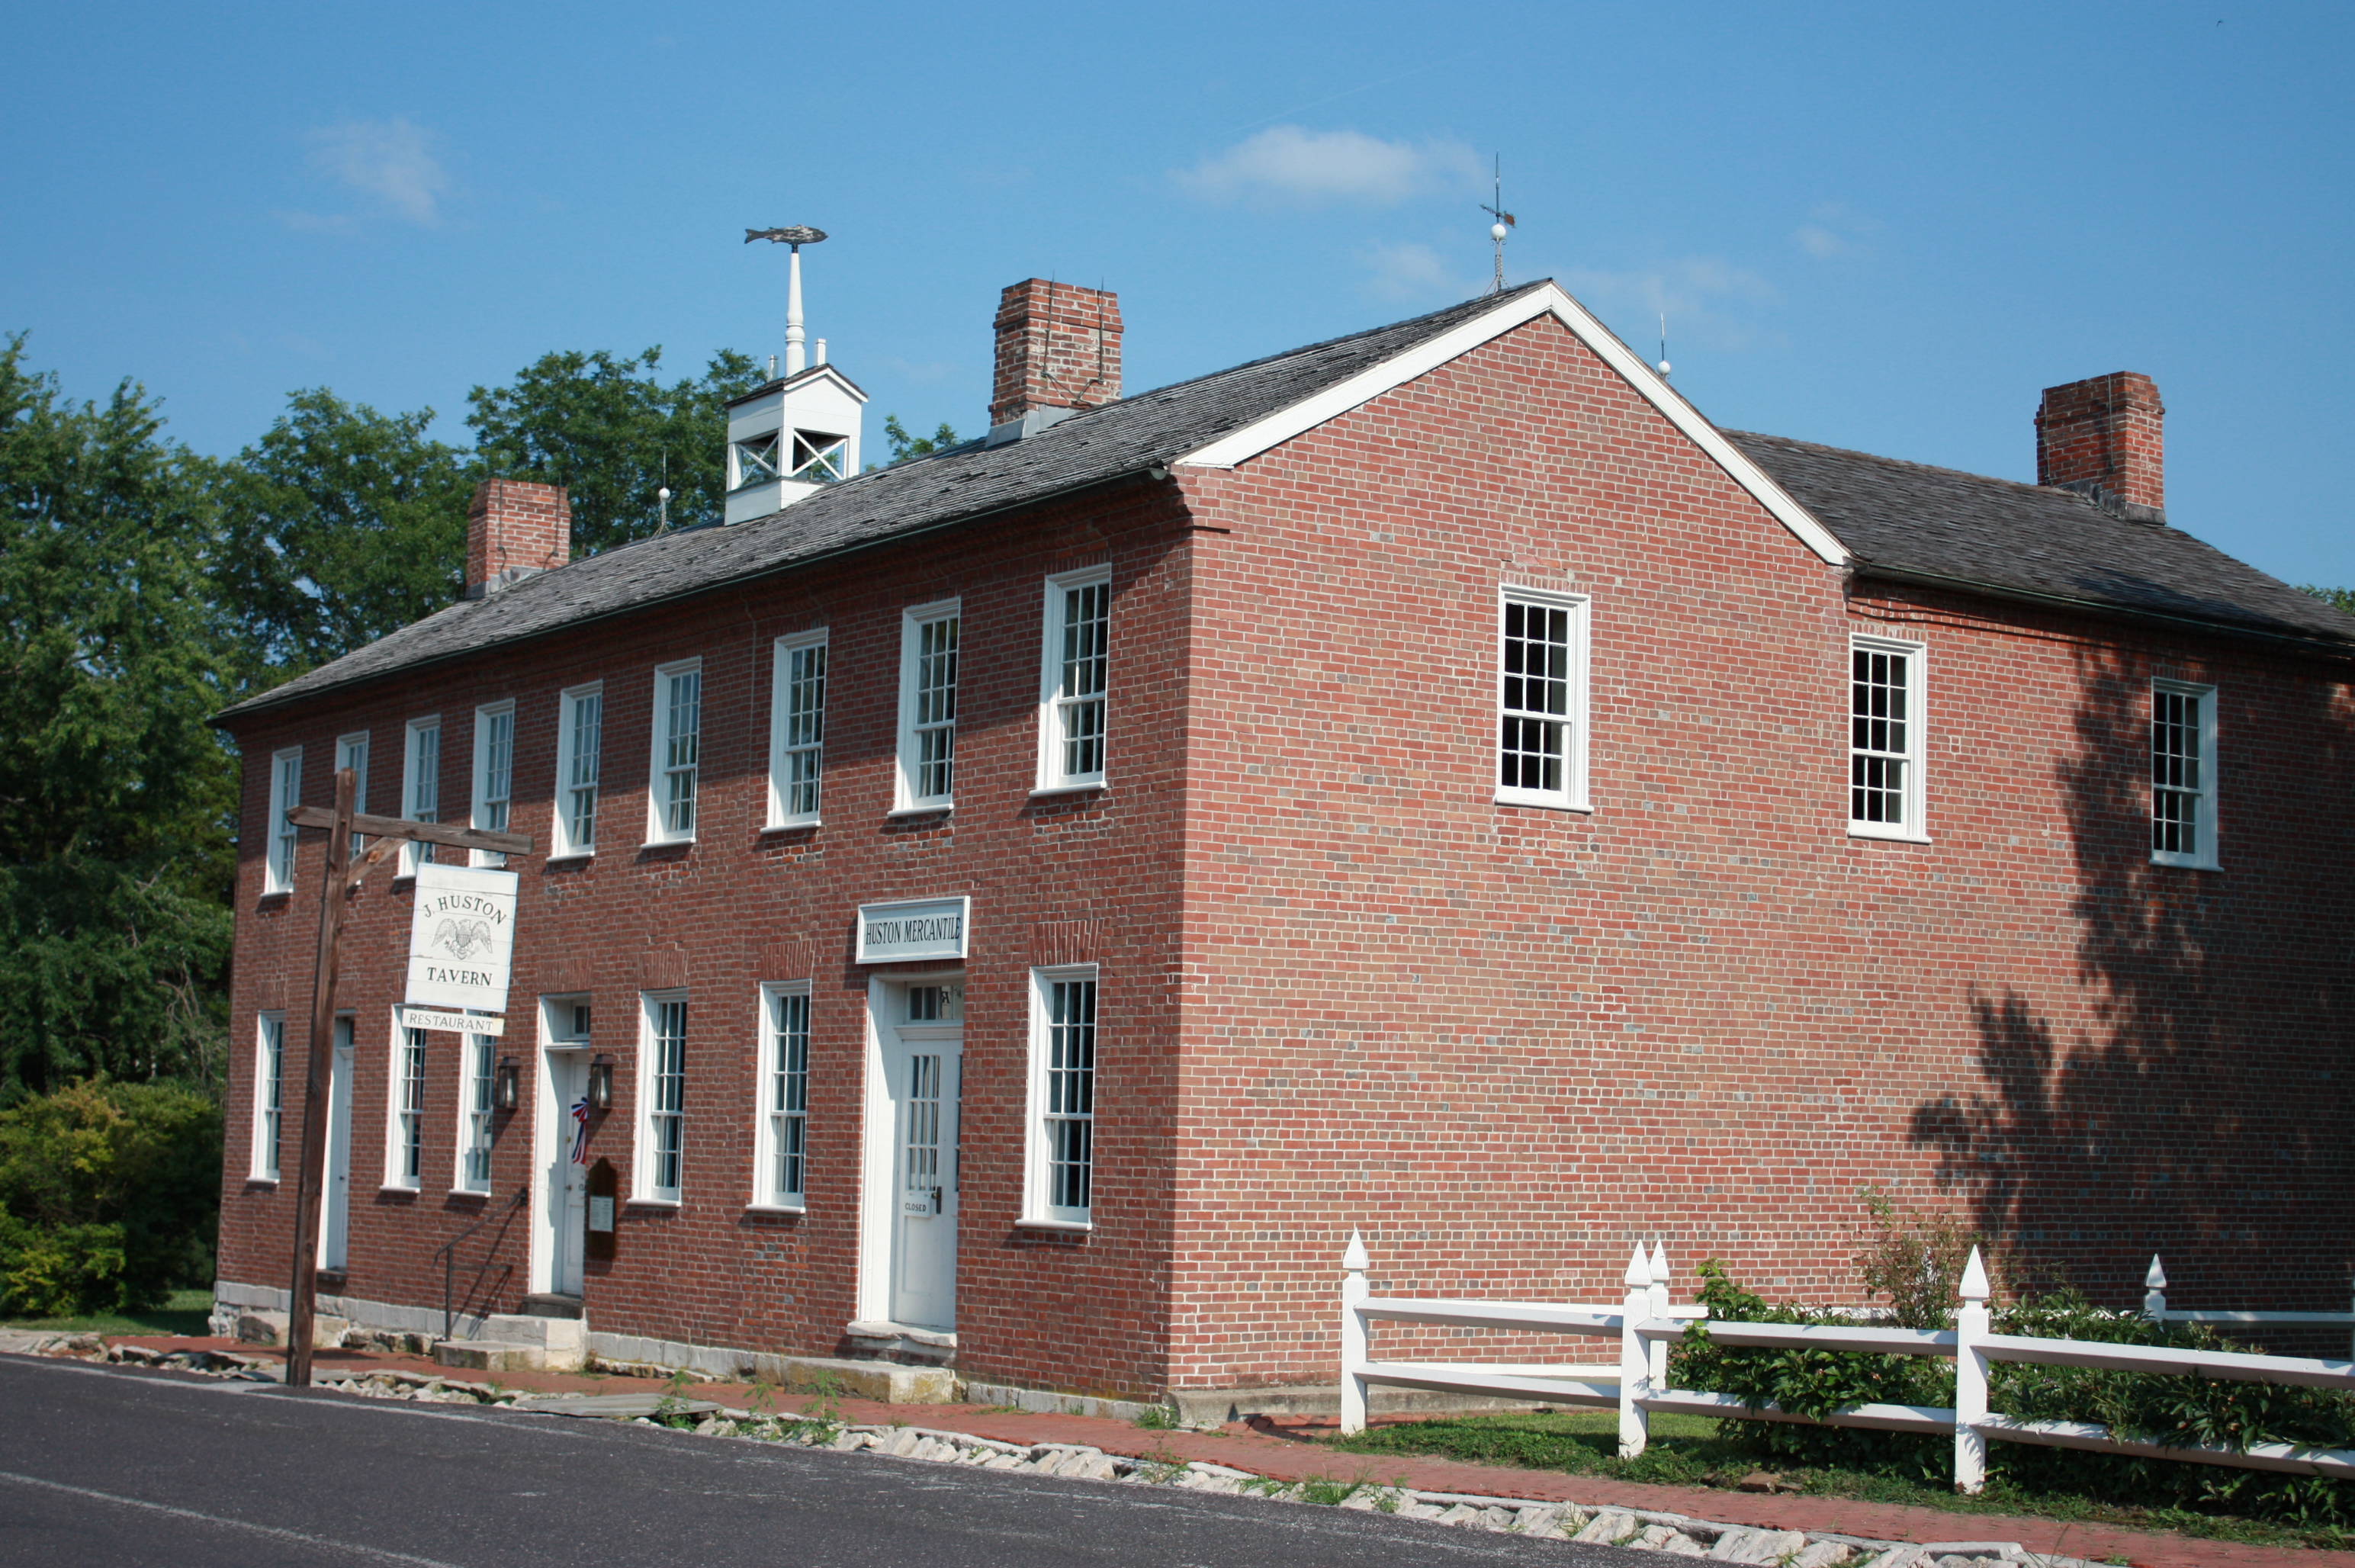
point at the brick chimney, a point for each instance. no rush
(513, 529)
(1058, 349)
(2102, 439)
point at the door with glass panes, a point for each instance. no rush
(922, 1070)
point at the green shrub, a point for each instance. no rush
(109, 1196)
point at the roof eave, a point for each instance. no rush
(2316, 644)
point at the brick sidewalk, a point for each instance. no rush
(1289, 1451)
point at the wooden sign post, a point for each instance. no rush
(343, 878)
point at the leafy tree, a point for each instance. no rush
(341, 525)
(2343, 598)
(613, 433)
(115, 797)
(905, 446)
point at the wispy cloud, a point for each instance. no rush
(1834, 231)
(390, 160)
(1700, 296)
(1413, 272)
(1289, 161)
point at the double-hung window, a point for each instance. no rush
(1886, 739)
(351, 752)
(420, 773)
(662, 1096)
(1061, 1148)
(278, 834)
(474, 1112)
(269, 1094)
(1541, 640)
(580, 745)
(1071, 680)
(781, 1142)
(928, 692)
(494, 773)
(798, 730)
(2182, 774)
(404, 1160)
(677, 752)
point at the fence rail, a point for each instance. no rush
(1645, 1324)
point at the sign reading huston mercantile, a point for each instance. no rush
(462, 938)
(914, 928)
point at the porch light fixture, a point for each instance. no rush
(506, 1090)
(601, 1084)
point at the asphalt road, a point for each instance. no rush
(118, 1465)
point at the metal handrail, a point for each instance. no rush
(448, 1253)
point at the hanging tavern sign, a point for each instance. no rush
(461, 938)
(915, 928)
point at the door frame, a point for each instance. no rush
(550, 1130)
(879, 1171)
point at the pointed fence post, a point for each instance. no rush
(2154, 1292)
(1353, 1335)
(1971, 1380)
(1634, 1365)
(1659, 1266)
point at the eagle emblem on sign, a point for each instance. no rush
(463, 939)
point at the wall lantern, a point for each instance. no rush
(506, 1086)
(601, 1084)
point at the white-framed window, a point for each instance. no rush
(781, 1134)
(421, 786)
(269, 1094)
(278, 834)
(404, 1148)
(1071, 680)
(580, 748)
(928, 689)
(475, 1085)
(493, 774)
(1542, 643)
(1060, 1146)
(797, 730)
(1887, 738)
(2182, 774)
(677, 752)
(662, 1096)
(351, 752)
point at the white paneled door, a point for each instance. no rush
(335, 1221)
(923, 1069)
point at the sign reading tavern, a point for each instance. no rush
(916, 928)
(462, 938)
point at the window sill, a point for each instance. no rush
(1091, 787)
(802, 827)
(1887, 834)
(469, 1192)
(650, 1203)
(561, 856)
(667, 843)
(940, 808)
(400, 1188)
(261, 1181)
(777, 1209)
(1544, 803)
(2184, 863)
(1070, 1226)
(269, 893)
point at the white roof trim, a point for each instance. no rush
(1370, 383)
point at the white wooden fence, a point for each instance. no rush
(1644, 1323)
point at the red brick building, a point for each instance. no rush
(1034, 901)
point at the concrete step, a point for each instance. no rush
(549, 1333)
(552, 1306)
(492, 1355)
(270, 1329)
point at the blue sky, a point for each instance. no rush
(1881, 226)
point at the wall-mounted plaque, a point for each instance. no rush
(604, 1198)
(913, 928)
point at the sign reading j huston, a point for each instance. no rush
(462, 938)
(919, 928)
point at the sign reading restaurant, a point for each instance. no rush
(912, 929)
(462, 938)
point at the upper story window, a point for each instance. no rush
(494, 773)
(677, 752)
(781, 1140)
(2182, 774)
(420, 773)
(928, 690)
(1071, 699)
(662, 1096)
(351, 752)
(797, 730)
(278, 834)
(580, 748)
(1886, 739)
(1541, 641)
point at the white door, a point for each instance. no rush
(564, 1187)
(923, 1069)
(335, 1222)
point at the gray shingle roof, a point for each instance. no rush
(1119, 439)
(1908, 518)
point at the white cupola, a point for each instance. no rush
(799, 431)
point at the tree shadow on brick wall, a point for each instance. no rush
(2183, 1100)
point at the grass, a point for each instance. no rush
(1692, 1451)
(185, 1312)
